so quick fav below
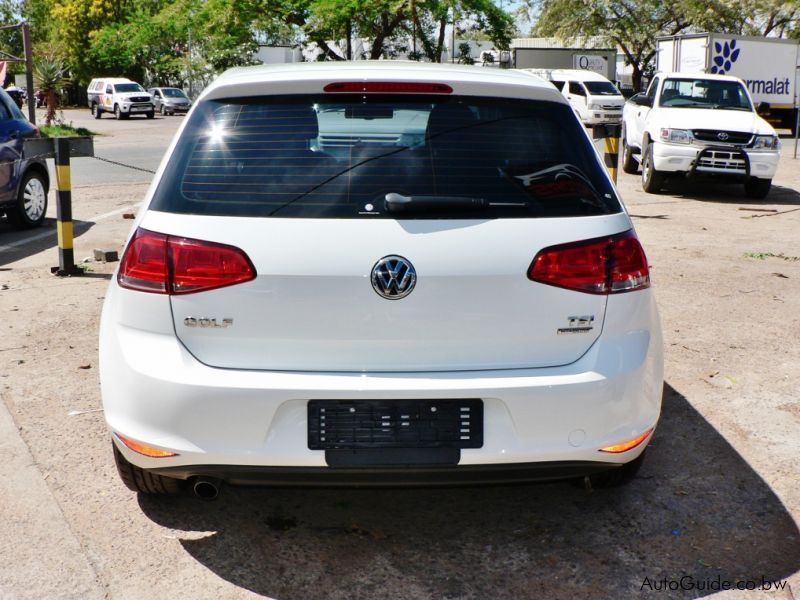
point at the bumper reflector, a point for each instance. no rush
(630, 444)
(145, 449)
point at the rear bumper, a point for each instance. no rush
(253, 424)
(337, 477)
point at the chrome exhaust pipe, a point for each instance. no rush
(206, 488)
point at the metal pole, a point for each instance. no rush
(26, 41)
(66, 254)
(610, 135)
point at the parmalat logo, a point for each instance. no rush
(726, 54)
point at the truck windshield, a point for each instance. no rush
(128, 87)
(705, 93)
(601, 88)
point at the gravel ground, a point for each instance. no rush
(718, 500)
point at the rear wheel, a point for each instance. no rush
(96, 112)
(31, 203)
(614, 477)
(141, 480)
(652, 180)
(629, 163)
(757, 188)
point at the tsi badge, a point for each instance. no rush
(578, 325)
(206, 323)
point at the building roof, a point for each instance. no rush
(576, 43)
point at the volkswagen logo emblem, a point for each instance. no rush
(393, 277)
(722, 136)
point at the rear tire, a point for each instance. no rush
(757, 188)
(629, 163)
(142, 480)
(652, 180)
(96, 112)
(31, 205)
(616, 477)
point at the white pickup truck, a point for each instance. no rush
(698, 125)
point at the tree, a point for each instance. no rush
(631, 25)
(49, 76)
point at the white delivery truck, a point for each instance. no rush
(768, 66)
(593, 97)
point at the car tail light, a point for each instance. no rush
(165, 264)
(599, 266)
(144, 448)
(388, 87)
(628, 445)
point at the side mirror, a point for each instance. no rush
(763, 108)
(642, 100)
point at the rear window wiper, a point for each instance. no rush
(398, 204)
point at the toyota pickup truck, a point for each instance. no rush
(698, 126)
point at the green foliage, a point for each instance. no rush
(634, 25)
(49, 75)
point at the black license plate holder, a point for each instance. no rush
(374, 424)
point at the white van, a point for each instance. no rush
(594, 98)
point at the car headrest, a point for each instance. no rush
(449, 120)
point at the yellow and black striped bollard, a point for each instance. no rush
(610, 134)
(66, 255)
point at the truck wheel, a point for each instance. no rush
(629, 164)
(151, 114)
(141, 480)
(117, 113)
(652, 180)
(757, 188)
(96, 112)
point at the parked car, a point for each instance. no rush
(169, 100)
(698, 125)
(17, 95)
(119, 96)
(24, 182)
(380, 273)
(595, 99)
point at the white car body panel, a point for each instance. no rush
(473, 308)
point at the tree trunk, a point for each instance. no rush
(440, 40)
(52, 104)
(349, 40)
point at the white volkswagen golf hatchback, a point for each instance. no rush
(380, 274)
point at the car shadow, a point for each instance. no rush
(696, 510)
(16, 244)
(728, 193)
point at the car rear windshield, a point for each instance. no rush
(347, 156)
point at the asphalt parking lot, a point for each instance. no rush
(717, 502)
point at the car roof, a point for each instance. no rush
(577, 75)
(312, 77)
